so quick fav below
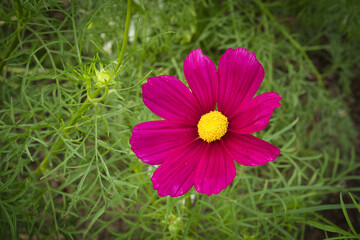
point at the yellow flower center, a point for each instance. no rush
(212, 126)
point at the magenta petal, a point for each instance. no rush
(240, 75)
(154, 141)
(253, 116)
(176, 175)
(170, 99)
(216, 169)
(248, 150)
(200, 73)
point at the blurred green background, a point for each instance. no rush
(94, 187)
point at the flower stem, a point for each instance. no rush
(67, 128)
(188, 204)
(126, 36)
(88, 102)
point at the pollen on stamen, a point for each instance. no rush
(212, 126)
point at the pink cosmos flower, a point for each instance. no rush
(208, 128)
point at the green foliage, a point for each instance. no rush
(68, 103)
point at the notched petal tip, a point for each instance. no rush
(248, 150)
(169, 98)
(254, 115)
(240, 75)
(201, 75)
(176, 175)
(216, 170)
(154, 141)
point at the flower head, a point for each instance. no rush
(208, 128)
(103, 77)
